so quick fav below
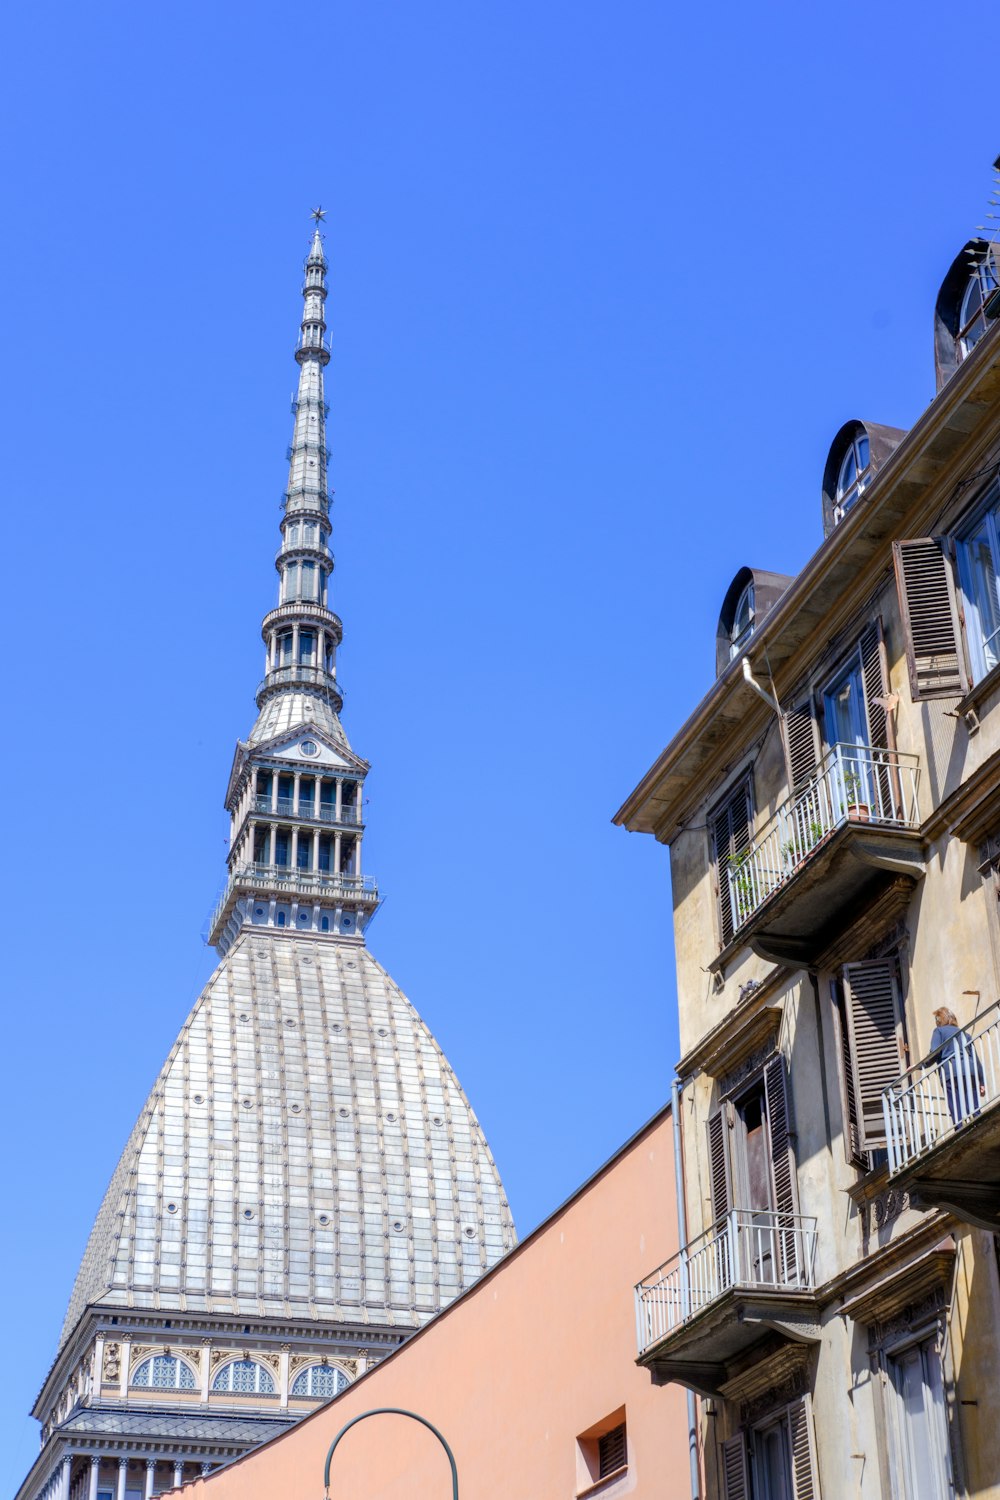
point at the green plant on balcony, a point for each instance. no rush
(742, 885)
(855, 793)
(796, 849)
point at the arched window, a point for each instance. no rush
(743, 622)
(244, 1375)
(971, 317)
(855, 473)
(165, 1373)
(319, 1380)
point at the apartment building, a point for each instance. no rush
(832, 811)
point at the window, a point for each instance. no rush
(972, 317)
(244, 1375)
(611, 1451)
(752, 1170)
(319, 1380)
(730, 825)
(602, 1451)
(165, 1373)
(918, 1431)
(777, 1454)
(854, 476)
(979, 572)
(743, 622)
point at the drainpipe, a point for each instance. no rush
(692, 1415)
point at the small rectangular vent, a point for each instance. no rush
(611, 1451)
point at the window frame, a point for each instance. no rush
(986, 510)
(259, 1369)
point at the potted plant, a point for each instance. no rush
(855, 788)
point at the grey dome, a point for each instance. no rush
(306, 1151)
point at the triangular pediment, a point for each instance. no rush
(309, 746)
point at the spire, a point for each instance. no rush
(295, 793)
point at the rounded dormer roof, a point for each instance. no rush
(749, 597)
(869, 444)
(978, 259)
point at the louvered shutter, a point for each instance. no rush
(927, 600)
(718, 1163)
(873, 1017)
(779, 1131)
(851, 1130)
(734, 1468)
(731, 835)
(805, 1482)
(801, 749)
(875, 683)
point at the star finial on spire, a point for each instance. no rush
(318, 214)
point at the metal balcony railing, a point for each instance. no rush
(946, 1091)
(307, 809)
(310, 676)
(753, 1249)
(853, 784)
(323, 883)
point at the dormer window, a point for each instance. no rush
(855, 473)
(972, 316)
(743, 622)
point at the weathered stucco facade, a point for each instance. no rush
(832, 810)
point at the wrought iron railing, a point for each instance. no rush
(327, 812)
(854, 784)
(944, 1092)
(287, 878)
(749, 1248)
(310, 676)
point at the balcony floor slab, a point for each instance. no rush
(701, 1352)
(961, 1172)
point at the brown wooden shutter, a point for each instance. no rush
(927, 600)
(881, 734)
(873, 1018)
(804, 1478)
(611, 1451)
(801, 747)
(779, 1130)
(734, 1468)
(718, 1163)
(731, 835)
(851, 1129)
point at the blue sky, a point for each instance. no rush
(605, 281)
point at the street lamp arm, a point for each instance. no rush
(389, 1411)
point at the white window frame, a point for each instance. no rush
(902, 1454)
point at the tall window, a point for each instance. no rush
(165, 1373)
(854, 477)
(773, 1460)
(319, 1380)
(730, 825)
(917, 1422)
(244, 1375)
(972, 318)
(979, 572)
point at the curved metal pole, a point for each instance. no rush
(389, 1411)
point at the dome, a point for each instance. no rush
(306, 1151)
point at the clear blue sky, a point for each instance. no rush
(605, 282)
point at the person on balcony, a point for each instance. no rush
(960, 1067)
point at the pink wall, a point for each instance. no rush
(540, 1350)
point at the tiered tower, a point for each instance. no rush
(297, 804)
(307, 1183)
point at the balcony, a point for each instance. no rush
(943, 1125)
(290, 884)
(826, 853)
(299, 676)
(327, 813)
(749, 1275)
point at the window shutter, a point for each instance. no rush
(873, 1012)
(611, 1451)
(881, 735)
(734, 1468)
(718, 1163)
(851, 1130)
(779, 1129)
(930, 618)
(731, 835)
(804, 1479)
(801, 750)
